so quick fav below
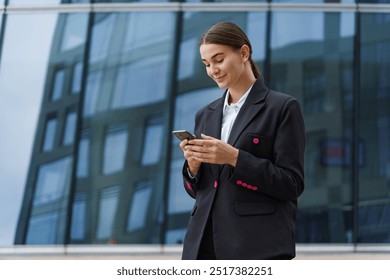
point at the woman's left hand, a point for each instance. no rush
(212, 150)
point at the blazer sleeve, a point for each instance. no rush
(283, 176)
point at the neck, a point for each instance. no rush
(237, 92)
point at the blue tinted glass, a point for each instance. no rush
(153, 143)
(78, 226)
(77, 78)
(58, 85)
(115, 149)
(92, 91)
(74, 34)
(53, 181)
(50, 135)
(374, 128)
(43, 229)
(312, 59)
(70, 128)
(83, 155)
(108, 203)
(140, 205)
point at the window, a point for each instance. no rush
(74, 34)
(42, 229)
(70, 128)
(77, 78)
(92, 91)
(133, 85)
(78, 224)
(108, 203)
(58, 85)
(140, 206)
(50, 134)
(84, 155)
(115, 149)
(53, 181)
(153, 141)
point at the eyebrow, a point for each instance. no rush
(213, 56)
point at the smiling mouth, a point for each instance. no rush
(219, 78)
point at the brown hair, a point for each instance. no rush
(230, 34)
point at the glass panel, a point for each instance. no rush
(109, 198)
(92, 92)
(137, 75)
(126, 108)
(53, 181)
(140, 205)
(78, 226)
(84, 155)
(115, 149)
(70, 128)
(50, 135)
(101, 37)
(77, 78)
(374, 129)
(74, 34)
(154, 138)
(58, 85)
(315, 64)
(43, 229)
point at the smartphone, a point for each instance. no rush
(183, 134)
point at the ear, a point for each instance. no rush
(245, 52)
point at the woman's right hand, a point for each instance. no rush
(193, 164)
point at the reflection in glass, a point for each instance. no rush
(153, 141)
(133, 86)
(77, 78)
(115, 149)
(92, 93)
(70, 128)
(50, 134)
(315, 64)
(108, 204)
(42, 229)
(140, 205)
(53, 181)
(78, 224)
(84, 155)
(374, 129)
(58, 86)
(75, 31)
(179, 200)
(148, 29)
(101, 37)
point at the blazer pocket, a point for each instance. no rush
(245, 208)
(258, 145)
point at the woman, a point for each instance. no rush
(245, 169)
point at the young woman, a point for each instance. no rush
(245, 169)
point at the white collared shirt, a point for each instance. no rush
(230, 113)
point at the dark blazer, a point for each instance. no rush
(253, 205)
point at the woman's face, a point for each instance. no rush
(224, 64)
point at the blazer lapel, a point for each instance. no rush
(213, 125)
(252, 106)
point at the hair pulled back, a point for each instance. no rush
(230, 34)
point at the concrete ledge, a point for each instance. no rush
(155, 252)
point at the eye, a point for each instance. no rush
(220, 60)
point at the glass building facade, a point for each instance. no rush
(116, 77)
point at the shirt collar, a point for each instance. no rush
(239, 103)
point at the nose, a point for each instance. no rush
(213, 69)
